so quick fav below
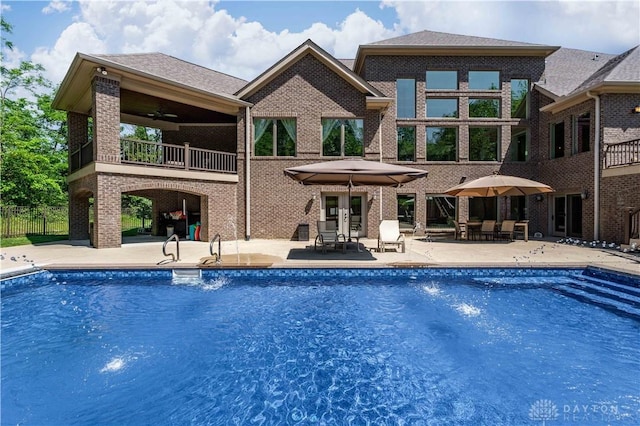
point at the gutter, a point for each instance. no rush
(596, 170)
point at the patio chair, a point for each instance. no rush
(461, 230)
(507, 228)
(488, 229)
(389, 234)
(328, 237)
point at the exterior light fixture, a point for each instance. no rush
(584, 194)
(101, 70)
(636, 109)
(539, 197)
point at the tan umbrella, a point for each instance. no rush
(354, 172)
(497, 185)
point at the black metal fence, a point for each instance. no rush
(19, 221)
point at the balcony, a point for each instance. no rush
(181, 157)
(622, 154)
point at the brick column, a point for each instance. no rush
(106, 119)
(78, 217)
(78, 131)
(107, 214)
(206, 233)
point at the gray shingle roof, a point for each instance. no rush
(434, 38)
(348, 63)
(180, 71)
(566, 69)
(622, 68)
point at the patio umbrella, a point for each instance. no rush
(354, 172)
(496, 185)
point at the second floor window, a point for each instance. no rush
(274, 137)
(557, 140)
(442, 143)
(486, 108)
(406, 98)
(519, 98)
(484, 80)
(406, 143)
(483, 144)
(442, 108)
(581, 133)
(442, 80)
(342, 137)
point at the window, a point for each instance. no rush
(442, 80)
(483, 208)
(487, 108)
(406, 143)
(406, 98)
(518, 207)
(519, 98)
(483, 143)
(442, 143)
(342, 137)
(406, 210)
(441, 211)
(519, 144)
(581, 133)
(484, 80)
(557, 140)
(268, 130)
(442, 107)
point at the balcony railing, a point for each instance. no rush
(622, 153)
(176, 156)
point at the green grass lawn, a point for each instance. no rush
(41, 239)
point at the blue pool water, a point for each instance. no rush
(335, 347)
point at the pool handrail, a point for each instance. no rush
(175, 257)
(217, 256)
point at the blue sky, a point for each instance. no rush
(243, 38)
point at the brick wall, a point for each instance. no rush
(618, 193)
(106, 119)
(218, 138)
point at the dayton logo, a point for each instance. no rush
(543, 409)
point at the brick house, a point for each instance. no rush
(457, 106)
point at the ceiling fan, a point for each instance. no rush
(157, 115)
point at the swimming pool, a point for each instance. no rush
(379, 346)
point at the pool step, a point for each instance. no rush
(619, 298)
(187, 273)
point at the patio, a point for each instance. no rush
(146, 252)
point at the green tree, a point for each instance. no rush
(33, 147)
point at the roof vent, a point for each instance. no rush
(595, 57)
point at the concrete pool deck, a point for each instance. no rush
(146, 252)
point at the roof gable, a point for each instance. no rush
(309, 48)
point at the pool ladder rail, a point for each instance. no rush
(217, 256)
(174, 257)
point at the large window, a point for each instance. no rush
(406, 210)
(581, 133)
(483, 208)
(519, 144)
(441, 211)
(557, 140)
(406, 98)
(487, 108)
(442, 108)
(519, 98)
(484, 80)
(342, 137)
(274, 137)
(442, 80)
(442, 143)
(406, 143)
(483, 143)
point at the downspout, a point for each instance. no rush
(247, 174)
(380, 151)
(596, 171)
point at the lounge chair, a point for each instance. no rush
(506, 230)
(488, 229)
(389, 234)
(461, 230)
(328, 237)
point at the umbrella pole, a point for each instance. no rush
(349, 210)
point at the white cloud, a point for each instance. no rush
(56, 6)
(610, 26)
(78, 37)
